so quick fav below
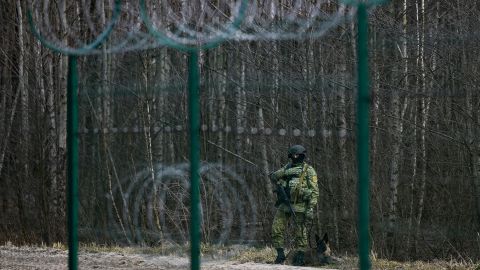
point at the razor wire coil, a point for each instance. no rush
(156, 210)
(115, 26)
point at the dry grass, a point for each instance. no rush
(267, 255)
(258, 255)
(244, 254)
(170, 249)
(420, 265)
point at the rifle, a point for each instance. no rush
(282, 197)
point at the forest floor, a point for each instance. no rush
(43, 258)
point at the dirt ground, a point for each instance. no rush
(43, 258)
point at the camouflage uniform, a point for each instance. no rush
(300, 182)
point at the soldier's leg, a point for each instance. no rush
(301, 240)
(279, 226)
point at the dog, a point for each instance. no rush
(323, 253)
(320, 255)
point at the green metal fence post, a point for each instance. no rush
(363, 106)
(72, 124)
(194, 122)
(72, 160)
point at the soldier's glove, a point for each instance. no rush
(276, 175)
(309, 215)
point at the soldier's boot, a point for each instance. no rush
(280, 256)
(299, 258)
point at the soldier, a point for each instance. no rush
(299, 181)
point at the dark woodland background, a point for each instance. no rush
(425, 127)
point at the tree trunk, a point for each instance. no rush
(397, 128)
(342, 157)
(107, 122)
(343, 181)
(221, 70)
(58, 191)
(52, 147)
(263, 152)
(424, 108)
(9, 121)
(412, 185)
(163, 74)
(394, 169)
(240, 105)
(211, 93)
(425, 105)
(42, 189)
(277, 74)
(398, 112)
(25, 127)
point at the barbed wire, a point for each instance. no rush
(146, 209)
(154, 205)
(113, 26)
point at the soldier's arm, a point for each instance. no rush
(314, 186)
(276, 175)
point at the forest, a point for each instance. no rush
(258, 98)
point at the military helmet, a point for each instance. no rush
(296, 150)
